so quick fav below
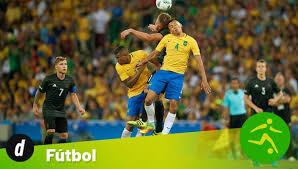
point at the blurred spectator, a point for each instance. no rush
(80, 129)
(231, 34)
(205, 125)
(93, 109)
(100, 19)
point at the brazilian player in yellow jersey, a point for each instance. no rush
(158, 30)
(171, 75)
(135, 79)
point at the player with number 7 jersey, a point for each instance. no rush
(56, 87)
(56, 91)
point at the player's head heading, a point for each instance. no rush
(122, 55)
(279, 79)
(235, 84)
(175, 27)
(261, 67)
(163, 20)
(61, 64)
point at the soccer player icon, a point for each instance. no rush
(265, 136)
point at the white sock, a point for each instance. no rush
(125, 133)
(168, 123)
(139, 134)
(150, 113)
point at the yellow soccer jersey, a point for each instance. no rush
(128, 70)
(178, 50)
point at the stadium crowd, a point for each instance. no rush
(232, 35)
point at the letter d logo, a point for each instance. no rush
(19, 150)
(19, 147)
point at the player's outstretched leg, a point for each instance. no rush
(140, 124)
(151, 95)
(128, 128)
(170, 117)
(49, 136)
(149, 108)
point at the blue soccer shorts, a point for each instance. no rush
(170, 81)
(135, 105)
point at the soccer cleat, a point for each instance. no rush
(155, 133)
(147, 128)
(138, 123)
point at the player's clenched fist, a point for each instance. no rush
(153, 28)
(125, 33)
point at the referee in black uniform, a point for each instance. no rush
(160, 29)
(261, 89)
(56, 87)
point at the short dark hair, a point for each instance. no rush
(261, 61)
(164, 19)
(235, 78)
(119, 49)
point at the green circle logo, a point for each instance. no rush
(265, 137)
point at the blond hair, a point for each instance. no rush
(59, 59)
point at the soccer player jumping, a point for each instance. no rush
(171, 75)
(135, 80)
(159, 29)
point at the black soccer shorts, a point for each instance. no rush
(237, 121)
(57, 123)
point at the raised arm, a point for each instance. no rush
(151, 57)
(142, 35)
